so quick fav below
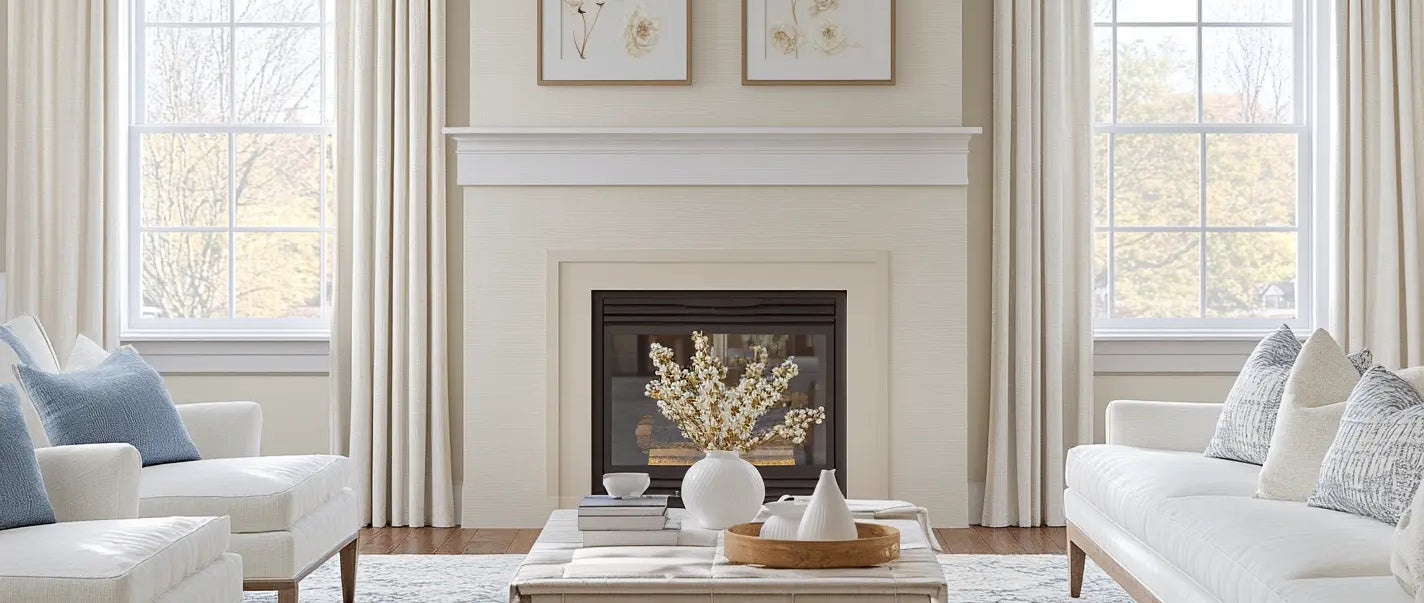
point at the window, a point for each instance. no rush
(1202, 165)
(231, 182)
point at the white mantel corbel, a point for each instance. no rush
(900, 156)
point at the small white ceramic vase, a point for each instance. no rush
(722, 490)
(827, 514)
(784, 520)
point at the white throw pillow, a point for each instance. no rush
(1314, 398)
(85, 355)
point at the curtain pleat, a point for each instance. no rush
(1377, 274)
(66, 115)
(1041, 364)
(390, 406)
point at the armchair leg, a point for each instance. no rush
(348, 572)
(288, 594)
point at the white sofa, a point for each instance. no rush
(99, 551)
(1172, 525)
(288, 514)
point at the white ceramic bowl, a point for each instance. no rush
(625, 485)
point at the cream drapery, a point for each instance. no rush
(66, 115)
(1377, 246)
(1041, 366)
(390, 405)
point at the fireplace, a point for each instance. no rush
(629, 434)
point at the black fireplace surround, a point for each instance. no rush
(629, 435)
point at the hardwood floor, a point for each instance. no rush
(973, 540)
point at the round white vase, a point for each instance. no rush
(722, 490)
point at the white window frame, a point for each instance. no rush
(307, 334)
(1310, 66)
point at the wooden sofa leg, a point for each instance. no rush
(288, 594)
(1076, 560)
(348, 572)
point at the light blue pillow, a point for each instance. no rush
(122, 400)
(23, 501)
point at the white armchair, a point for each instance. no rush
(99, 551)
(287, 514)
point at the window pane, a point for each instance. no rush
(278, 275)
(1100, 179)
(278, 75)
(184, 275)
(1251, 179)
(185, 75)
(183, 180)
(1156, 75)
(1156, 275)
(1277, 11)
(1101, 276)
(1102, 10)
(278, 179)
(1156, 179)
(278, 11)
(1248, 75)
(1156, 10)
(1102, 75)
(1251, 274)
(184, 11)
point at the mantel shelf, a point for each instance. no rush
(731, 156)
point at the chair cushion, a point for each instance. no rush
(1127, 483)
(260, 494)
(109, 560)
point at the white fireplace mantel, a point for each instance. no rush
(739, 156)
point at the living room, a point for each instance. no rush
(584, 300)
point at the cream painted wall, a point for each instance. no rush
(294, 407)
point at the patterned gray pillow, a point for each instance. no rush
(1243, 433)
(1374, 465)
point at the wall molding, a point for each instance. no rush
(741, 156)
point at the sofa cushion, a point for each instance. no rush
(1127, 483)
(260, 494)
(109, 560)
(1248, 549)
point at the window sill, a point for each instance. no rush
(191, 355)
(1194, 352)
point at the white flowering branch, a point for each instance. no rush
(713, 415)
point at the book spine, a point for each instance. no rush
(634, 523)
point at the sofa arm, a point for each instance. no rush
(1185, 426)
(223, 430)
(91, 481)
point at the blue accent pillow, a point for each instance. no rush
(122, 400)
(23, 501)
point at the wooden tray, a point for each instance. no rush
(877, 544)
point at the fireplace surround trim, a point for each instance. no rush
(863, 274)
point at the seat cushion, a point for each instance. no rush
(260, 494)
(109, 560)
(1127, 483)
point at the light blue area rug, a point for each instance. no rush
(485, 579)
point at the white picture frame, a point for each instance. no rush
(818, 42)
(615, 42)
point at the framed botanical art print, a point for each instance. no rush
(615, 42)
(827, 42)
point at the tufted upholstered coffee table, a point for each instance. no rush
(559, 570)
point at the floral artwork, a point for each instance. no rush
(715, 415)
(819, 41)
(614, 41)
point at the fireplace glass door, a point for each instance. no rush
(630, 434)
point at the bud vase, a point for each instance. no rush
(722, 490)
(827, 514)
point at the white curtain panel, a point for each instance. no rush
(66, 115)
(1378, 260)
(391, 404)
(1041, 400)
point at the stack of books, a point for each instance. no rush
(637, 521)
